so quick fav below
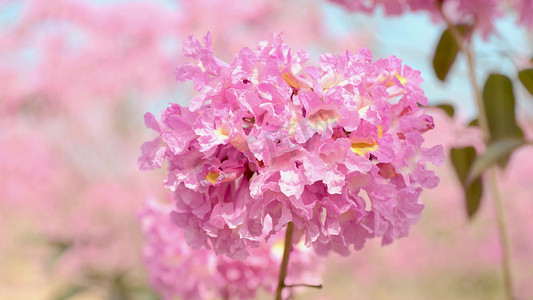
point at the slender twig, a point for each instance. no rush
(484, 124)
(316, 286)
(285, 261)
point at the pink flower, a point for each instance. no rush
(335, 148)
(481, 13)
(176, 270)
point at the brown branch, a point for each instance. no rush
(285, 260)
(316, 286)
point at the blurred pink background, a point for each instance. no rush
(76, 78)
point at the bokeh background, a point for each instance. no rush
(76, 78)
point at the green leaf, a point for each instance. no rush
(494, 153)
(69, 292)
(462, 159)
(446, 52)
(499, 102)
(447, 108)
(526, 77)
(474, 122)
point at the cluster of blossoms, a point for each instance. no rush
(336, 148)
(202, 274)
(482, 13)
(100, 53)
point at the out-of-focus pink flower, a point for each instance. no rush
(391, 7)
(65, 55)
(106, 229)
(27, 160)
(77, 53)
(176, 270)
(481, 13)
(335, 148)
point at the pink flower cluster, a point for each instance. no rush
(176, 270)
(481, 12)
(335, 148)
(62, 128)
(395, 7)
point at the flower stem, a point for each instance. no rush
(506, 263)
(285, 260)
(316, 286)
(484, 124)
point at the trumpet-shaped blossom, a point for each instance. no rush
(335, 148)
(176, 270)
